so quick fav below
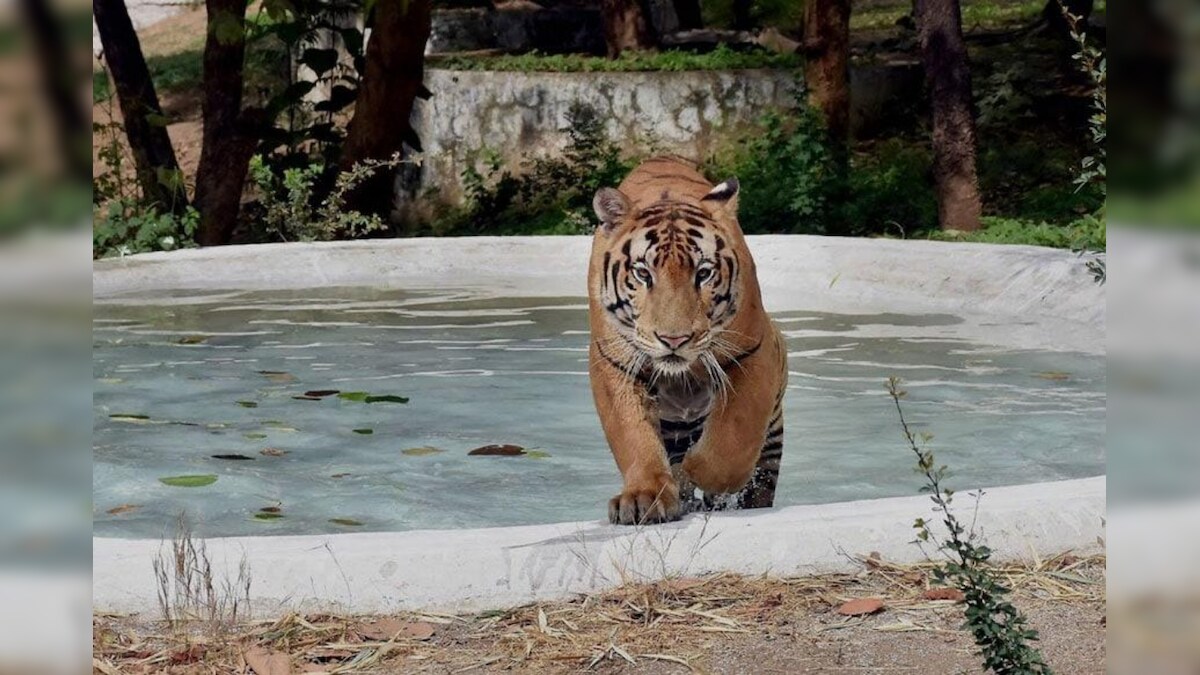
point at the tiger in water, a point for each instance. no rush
(687, 370)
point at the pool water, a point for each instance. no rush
(208, 393)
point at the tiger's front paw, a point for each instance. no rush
(643, 502)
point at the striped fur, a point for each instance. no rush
(687, 370)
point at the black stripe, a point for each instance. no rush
(741, 357)
(672, 425)
(640, 377)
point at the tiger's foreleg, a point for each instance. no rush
(650, 493)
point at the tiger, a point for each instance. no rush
(686, 368)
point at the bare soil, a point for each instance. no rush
(717, 624)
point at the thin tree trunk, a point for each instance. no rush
(230, 134)
(626, 26)
(827, 62)
(393, 79)
(688, 13)
(145, 126)
(948, 77)
(58, 85)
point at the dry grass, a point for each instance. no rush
(670, 623)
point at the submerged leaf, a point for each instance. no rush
(233, 457)
(248, 404)
(537, 454)
(321, 393)
(272, 452)
(348, 522)
(189, 481)
(421, 451)
(364, 431)
(124, 508)
(267, 515)
(358, 396)
(386, 398)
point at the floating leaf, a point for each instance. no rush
(111, 380)
(233, 457)
(248, 404)
(255, 435)
(305, 398)
(341, 475)
(498, 451)
(421, 451)
(537, 454)
(358, 396)
(278, 376)
(192, 340)
(271, 509)
(267, 515)
(321, 393)
(348, 522)
(189, 481)
(386, 398)
(364, 431)
(1053, 375)
(276, 425)
(130, 418)
(272, 452)
(124, 508)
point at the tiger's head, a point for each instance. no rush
(672, 277)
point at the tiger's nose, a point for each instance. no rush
(673, 341)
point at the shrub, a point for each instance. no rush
(124, 228)
(1001, 632)
(889, 191)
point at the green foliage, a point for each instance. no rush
(787, 172)
(291, 208)
(890, 190)
(1000, 630)
(779, 13)
(721, 58)
(1094, 65)
(1088, 233)
(550, 195)
(123, 228)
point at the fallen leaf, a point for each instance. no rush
(1053, 375)
(189, 481)
(267, 662)
(234, 457)
(192, 340)
(267, 515)
(272, 452)
(254, 435)
(861, 607)
(364, 431)
(189, 654)
(358, 396)
(124, 508)
(248, 404)
(321, 393)
(271, 509)
(537, 454)
(498, 451)
(421, 451)
(943, 594)
(305, 398)
(386, 398)
(341, 475)
(348, 522)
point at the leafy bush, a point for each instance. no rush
(1001, 632)
(293, 210)
(890, 190)
(787, 172)
(124, 228)
(1088, 233)
(551, 195)
(721, 58)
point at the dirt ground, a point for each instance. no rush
(716, 624)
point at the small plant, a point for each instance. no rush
(293, 211)
(1094, 65)
(125, 227)
(1001, 632)
(193, 594)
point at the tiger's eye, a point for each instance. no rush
(703, 274)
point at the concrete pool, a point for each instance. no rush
(214, 371)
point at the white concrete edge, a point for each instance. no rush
(477, 569)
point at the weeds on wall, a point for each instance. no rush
(1000, 630)
(548, 195)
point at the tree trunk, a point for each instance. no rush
(393, 78)
(827, 62)
(230, 133)
(145, 126)
(688, 13)
(626, 26)
(56, 73)
(948, 77)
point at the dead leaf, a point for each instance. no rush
(190, 654)
(943, 594)
(268, 662)
(272, 452)
(861, 607)
(124, 508)
(505, 450)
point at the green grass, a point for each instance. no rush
(981, 13)
(1089, 232)
(721, 58)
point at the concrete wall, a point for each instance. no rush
(521, 114)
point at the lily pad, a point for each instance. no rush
(498, 451)
(364, 431)
(124, 508)
(189, 481)
(233, 457)
(321, 393)
(421, 451)
(387, 398)
(248, 404)
(348, 522)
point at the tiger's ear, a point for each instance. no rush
(723, 198)
(611, 207)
